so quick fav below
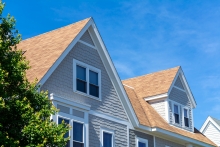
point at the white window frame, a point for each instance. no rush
(183, 116)
(174, 113)
(72, 119)
(88, 68)
(102, 130)
(138, 139)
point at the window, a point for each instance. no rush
(186, 117)
(87, 79)
(141, 142)
(176, 114)
(78, 134)
(60, 119)
(107, 138)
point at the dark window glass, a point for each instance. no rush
(81, 73)
(186, 119)
(93, 84)
(107, 139)
(176, 109)
(81, 79)
(176, 114)
(77, 132)
(141, 144)
(67, 134)
(94, 90)
(93, 78)
(77, 144)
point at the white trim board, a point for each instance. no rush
(209, 119)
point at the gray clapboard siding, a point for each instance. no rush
(212, 133)
(180, 97)
(87, 38)
(120, 131)
(159, 106)
(61, 82)
(178, 83)
(162, 142)
(133, 134)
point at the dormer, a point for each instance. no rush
(169, 94)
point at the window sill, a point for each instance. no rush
(89, 96)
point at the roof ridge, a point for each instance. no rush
(56, 29)
(151, 73)
(128, 86)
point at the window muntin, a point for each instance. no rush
(186, 117)
(107, 139)
(78, 134)
(176, 114)
(87, 79)
(60, 119)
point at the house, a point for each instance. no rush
(211, 129)
(73, 64)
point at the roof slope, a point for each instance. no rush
(43, 50)
(146, 114)
(154, 83)
(216, 120)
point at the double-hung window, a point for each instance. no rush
(87, 79)
(176, 114)
(140, 142)
(78, 134)
(186, 117)
(67, 121)
(107, 138)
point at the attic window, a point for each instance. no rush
(176, 114)
(186, 117)
(87, 80)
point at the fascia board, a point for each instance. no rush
(160, 96)
(107, 61)
(187, 139)
(65, 53)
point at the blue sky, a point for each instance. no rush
(143, 37)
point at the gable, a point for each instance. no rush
(87, 38)
(178, 83)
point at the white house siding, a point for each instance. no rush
(162, 143)
(120, 131)
(61, 82)
(180, 97)
(212, 133)
(159, 106)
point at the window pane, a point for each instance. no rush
(93, 90)
(67, 122)
(93, 78)
(176, 109)
(185, 113)
(176, 118)
(68, 144)
(81, 86)
(81, 73)
(78, 132)
(107, 139)
(141, 144)
(186, 120)
(78, 144)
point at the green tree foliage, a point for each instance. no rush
(24, 112)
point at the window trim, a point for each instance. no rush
(184, 116)
(175, 113)
(138, 139)
(72, 119)
(102, 130)
(88, 68)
